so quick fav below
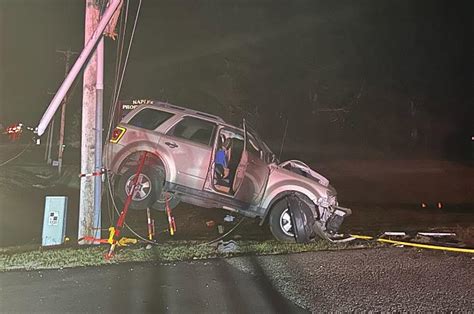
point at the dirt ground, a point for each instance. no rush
(385, 195)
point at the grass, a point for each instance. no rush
(29, 258)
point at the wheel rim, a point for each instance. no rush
(143, 189)
(285, 223)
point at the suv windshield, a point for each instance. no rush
(149, 118)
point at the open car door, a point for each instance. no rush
(241, 168)
(254, 171)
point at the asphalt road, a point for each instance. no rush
(212, 286)
(391, 279)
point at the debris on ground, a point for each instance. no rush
(210, 223)
(227, 246)
(229, 218)
(220, 229)
(44, 177)
(39, 186)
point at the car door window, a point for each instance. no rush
(252, 146)
(149, 118)
(193, 129)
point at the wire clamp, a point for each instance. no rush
(93, 174)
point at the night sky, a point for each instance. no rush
(268, 61)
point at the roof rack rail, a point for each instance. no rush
(191, 111)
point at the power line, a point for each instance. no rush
(125, 64)
(16, 156)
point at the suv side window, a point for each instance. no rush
(149, 118)
(193, 129)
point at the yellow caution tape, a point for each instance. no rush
(420, 245)
(362, 237)
(429, 246)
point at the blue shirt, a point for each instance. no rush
(220, 158)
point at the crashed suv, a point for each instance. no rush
(181, 165)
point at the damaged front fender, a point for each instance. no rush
(311, 221)
(302, 219)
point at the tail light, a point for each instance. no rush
(117, 134)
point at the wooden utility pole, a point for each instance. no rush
(49, 140)
(67, 55)
(89, 220)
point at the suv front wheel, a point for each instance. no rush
(280, 222)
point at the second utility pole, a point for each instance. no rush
(67, 55)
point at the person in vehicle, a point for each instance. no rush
(222, 158)
(221, 165)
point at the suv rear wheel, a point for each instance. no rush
(149, 187)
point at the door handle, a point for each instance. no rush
(171, 144)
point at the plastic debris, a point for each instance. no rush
(227, 247)
(229, 218)
(210, 223)
(220, 229)
(46, 177)
(39, 186)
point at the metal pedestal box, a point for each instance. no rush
(54, 222)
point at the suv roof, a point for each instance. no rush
(178, 109)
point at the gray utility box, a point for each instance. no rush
(54, 222)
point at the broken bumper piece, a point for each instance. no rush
(335, 221)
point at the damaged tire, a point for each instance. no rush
(280, 222)
(292, 220)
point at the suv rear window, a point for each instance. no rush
(149, 118)
(195, 130)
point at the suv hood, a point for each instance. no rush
(304, 170)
